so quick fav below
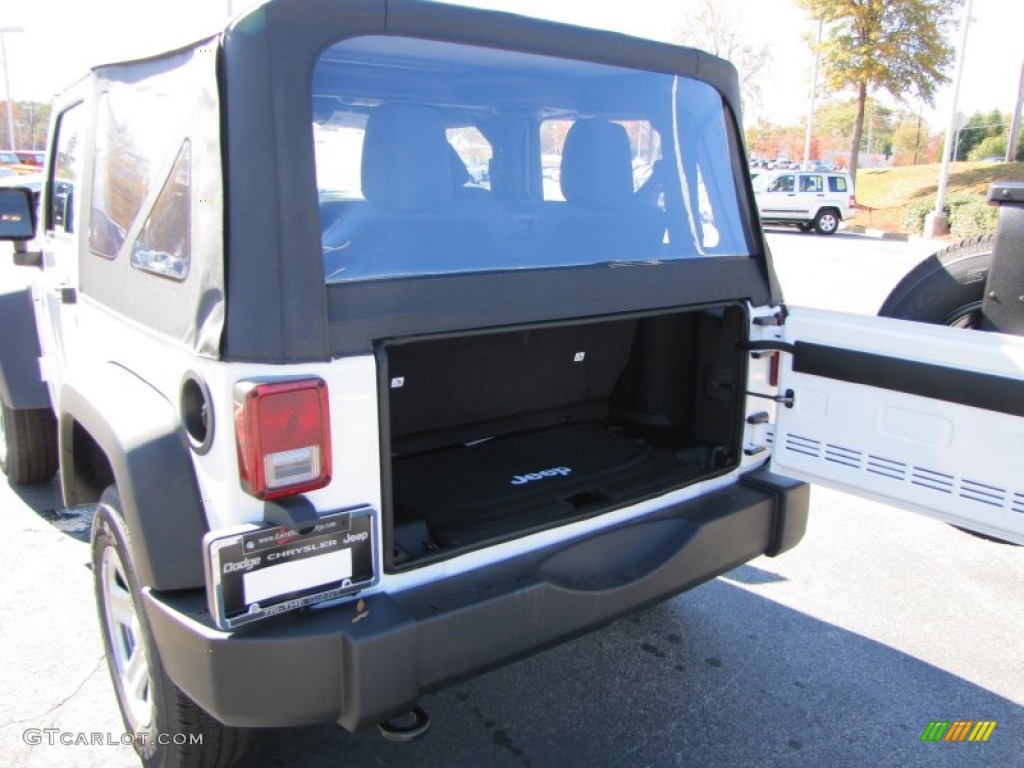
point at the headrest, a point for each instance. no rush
(406, 159)
(597, 164)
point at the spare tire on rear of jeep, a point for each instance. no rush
(947, 288)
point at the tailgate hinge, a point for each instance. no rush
(758, 348)
(762, 433)
(786, 398)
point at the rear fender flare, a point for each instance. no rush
(139, 432)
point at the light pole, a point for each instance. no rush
(7, 84)
(936, 223)
(1011, 143)
(810, 106)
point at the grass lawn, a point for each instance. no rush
(887, 191)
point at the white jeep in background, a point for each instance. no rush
(817, 200)
(360, 422)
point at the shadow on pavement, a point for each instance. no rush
(46, 501)
(717, 677)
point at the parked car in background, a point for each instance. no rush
(807, 199)
(31, 157)
(13, 162)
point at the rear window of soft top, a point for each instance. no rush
(436, 158)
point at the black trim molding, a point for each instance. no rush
(362, 313)
(952, 385)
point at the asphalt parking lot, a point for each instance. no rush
(839, 653)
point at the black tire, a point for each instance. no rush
(169, 728)
(827, 221)
(28, 444)
(947, 288)
(805, 226)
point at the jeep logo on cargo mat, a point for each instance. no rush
(553, 472)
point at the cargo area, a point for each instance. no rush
(495, 435)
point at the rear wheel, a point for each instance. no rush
(169, 729)
(28, 444)
(826, 222)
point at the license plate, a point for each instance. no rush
(262, 573)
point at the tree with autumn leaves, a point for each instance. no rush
(899, 46)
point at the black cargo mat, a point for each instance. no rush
(490, 489)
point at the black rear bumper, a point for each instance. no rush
(324, 665)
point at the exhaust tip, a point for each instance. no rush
(406, 728)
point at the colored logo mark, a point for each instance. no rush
(958, 730)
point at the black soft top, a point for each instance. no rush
(278, 309)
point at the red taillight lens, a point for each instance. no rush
(284, 437)
(773, 370)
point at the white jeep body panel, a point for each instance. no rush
(952, 461)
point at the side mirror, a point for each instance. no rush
(17, 219)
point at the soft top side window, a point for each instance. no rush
(164, 245)
(136, 145)
(472, 154)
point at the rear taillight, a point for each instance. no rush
(773, 370)
(284, 437)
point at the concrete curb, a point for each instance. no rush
(878, 234)
(899, 237)
(881, 234)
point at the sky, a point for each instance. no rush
(59, 39)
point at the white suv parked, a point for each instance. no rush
(809, 199)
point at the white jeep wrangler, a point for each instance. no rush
(395, 341)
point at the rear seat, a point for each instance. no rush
(418, 219)
(601, 220)
(410, 221)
